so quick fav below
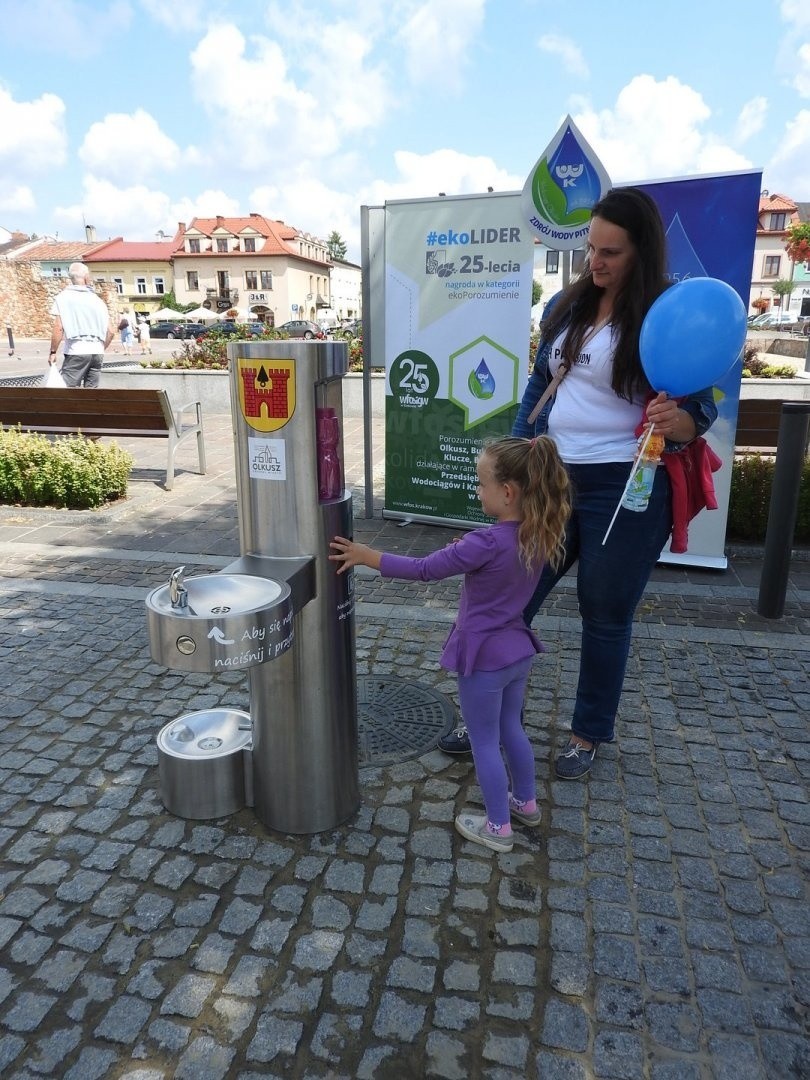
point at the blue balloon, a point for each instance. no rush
(692, 335)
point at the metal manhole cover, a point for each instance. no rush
(398, 720)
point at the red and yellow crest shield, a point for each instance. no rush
(266, 392)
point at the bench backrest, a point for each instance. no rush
(100, 412)
(758, 422)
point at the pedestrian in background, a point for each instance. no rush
(81, 318)
(144, 336)
(126, 331)
(523, 484)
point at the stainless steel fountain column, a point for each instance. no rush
(303, 706)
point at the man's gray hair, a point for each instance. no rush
(78, 273)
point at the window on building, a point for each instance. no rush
(577, 261)
(194, 247)
(251, 279)
(140, 285)
(552, 262)
(222, 244)
(266, 277)
(778, 222)
(56, 272)
(250, 243)
(118, 282)
(160, 285)
(192, 281)
(772, 266)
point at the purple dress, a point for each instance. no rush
(489, 632)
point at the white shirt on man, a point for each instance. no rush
(85, 320)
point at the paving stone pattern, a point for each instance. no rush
(654, 926)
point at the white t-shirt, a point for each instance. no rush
(85, 320)
(589, 422)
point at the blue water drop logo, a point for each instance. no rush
(574, 174)
(562, 188)
(481, 382)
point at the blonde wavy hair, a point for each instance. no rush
(535, 467)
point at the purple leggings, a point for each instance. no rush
(492, 706)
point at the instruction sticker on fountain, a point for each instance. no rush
(255, 644)
(266, 392)
(267, 459)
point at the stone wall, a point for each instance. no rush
(26, 299)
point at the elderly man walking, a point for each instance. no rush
(82, 319)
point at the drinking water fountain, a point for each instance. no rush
(280, 611)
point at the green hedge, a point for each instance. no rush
(72, 472)
(750, 499)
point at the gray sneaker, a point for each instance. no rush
(474, 827)
(575, 761)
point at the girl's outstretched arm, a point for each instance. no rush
(350, 554)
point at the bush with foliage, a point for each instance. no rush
(71, 472)
(756, 368)
(750, 499)
(210, 352)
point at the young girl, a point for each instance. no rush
(523, 484)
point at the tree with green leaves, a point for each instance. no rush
(537, 291)
(337, 247)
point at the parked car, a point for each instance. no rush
(351, 329)
(755, 320)
(175, 329)
(302, 328)
(779, 320)
(229, 328)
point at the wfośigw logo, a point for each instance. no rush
(266, 392)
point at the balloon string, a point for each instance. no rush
(636, 459)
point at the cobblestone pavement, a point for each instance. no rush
(654, 926)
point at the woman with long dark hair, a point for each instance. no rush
(588, 391)
(590, 351)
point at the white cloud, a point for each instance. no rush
(436, 38)
(75, 28)
(751, 118)
(182, 18)
(208, 203)
(568, 51)
(788, 171)
(313, 206)
(655, 131)
(19, 199)
(32, 133)
(125, 147)
(794, 53)
(137, 212)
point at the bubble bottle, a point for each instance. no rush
(330, 473)
(637, 496)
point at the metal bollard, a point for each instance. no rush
(791, 448)
(10, 333)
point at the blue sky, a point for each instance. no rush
(132, 115)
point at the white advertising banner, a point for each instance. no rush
(458, 283)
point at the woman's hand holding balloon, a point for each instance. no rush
(670, 421)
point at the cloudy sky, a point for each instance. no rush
(132, 115)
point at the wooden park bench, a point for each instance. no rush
(133, 413)
(758, 425)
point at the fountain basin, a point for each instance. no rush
(204, 763)
(228, 622)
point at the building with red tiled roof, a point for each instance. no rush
(771, 262)
(260, 267)
(140, 272)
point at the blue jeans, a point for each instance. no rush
(610, 582)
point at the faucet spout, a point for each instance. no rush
(178, 593)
